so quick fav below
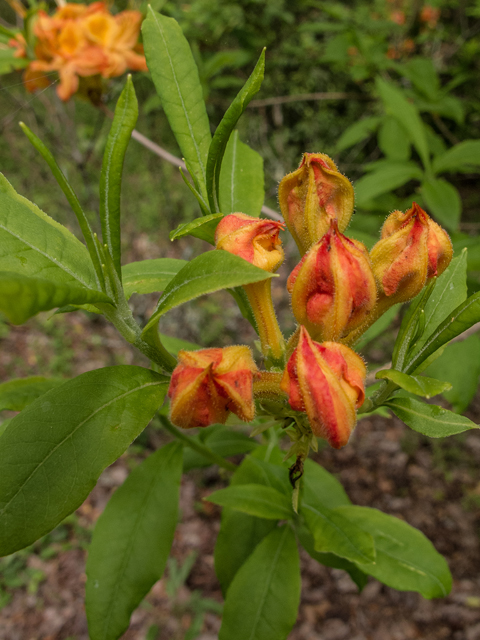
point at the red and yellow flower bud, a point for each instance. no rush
(253, 239)
(258, 242)
(412, 249)
(326, 381)
(333, 287)
(312, 196)
(208, 384)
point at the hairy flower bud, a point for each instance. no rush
(333, 287)
(312, 196)
(253, 239)
(412, 249)
(208, 384)
(327, 382)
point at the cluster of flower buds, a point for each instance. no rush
(338, 290)
(81, 40)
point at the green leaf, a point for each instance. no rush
(393, 140)
(377, 328)
(131, 542)
(333, 533)
(407, 114)
(18, 393)
(387, 178)
(321, 488)
(419, 385)
(262, 601)
(406, 560)
(357, 132)
(460, 362)
(21, 297)
(423, 75)
(53, 452)
(173, 345)
(124, 121)
(208, 272)
(5, 424)
(241, 187)
(221, 441)
(225, 128)
(150, 276)
(254, 499)
(33, 244)
(176, 80)
(464, 156)
(458, 321)
(443, 201)
(432, 421)
(203, 228)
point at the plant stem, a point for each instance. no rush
(196, 446)
(273, 343)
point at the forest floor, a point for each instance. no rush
(433, 485)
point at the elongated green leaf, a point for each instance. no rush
(53, 452)
(263, 599)
(176, 80)
(330, 559)
(407, 114)
(377, 328)
(5, 424)
(21, 297)
(464, 156)
(321, 488)
(385, 179)
(124, 121)
(450, 291)
(225, 128)
(444, 202)
(393, 140)
(208, 272)
(131, 542)
(254, 499)
(419, 385)
(405, 560)
(33, 244)
(221, 441)
(150, 276)
(203, 228)
(357, 132)
(16, 394)
(458, 321)
(241, 187)
(71, 197)
(173, 345)
(429, 419)
(333, 533)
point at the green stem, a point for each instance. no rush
(378, 398)
(273, 343)
(196, 446)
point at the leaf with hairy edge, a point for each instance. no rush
(429, 419)
(53, 452)
(203, 228)
(458, 321)
(419, 385)
(262, 601)
(225, 128)
(176, 80)
(254, 499)
(333, 533)
(18, 393)
(33, 244)
(208, 272)
(384, 179)
(124, 121)
(22, 297)
(407, 114)
(241, 187)
(131, 542)
(150, 276)
(406, 560)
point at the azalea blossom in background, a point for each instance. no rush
(81, 40)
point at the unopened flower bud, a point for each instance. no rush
(312, 196)
(412, 249)
(208, 384)
(253, 239)
(333, 287)
(327, 382)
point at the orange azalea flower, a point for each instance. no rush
(327, 382)
(208, 384)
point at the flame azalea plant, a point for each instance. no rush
(78, 41)
(294, 390)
